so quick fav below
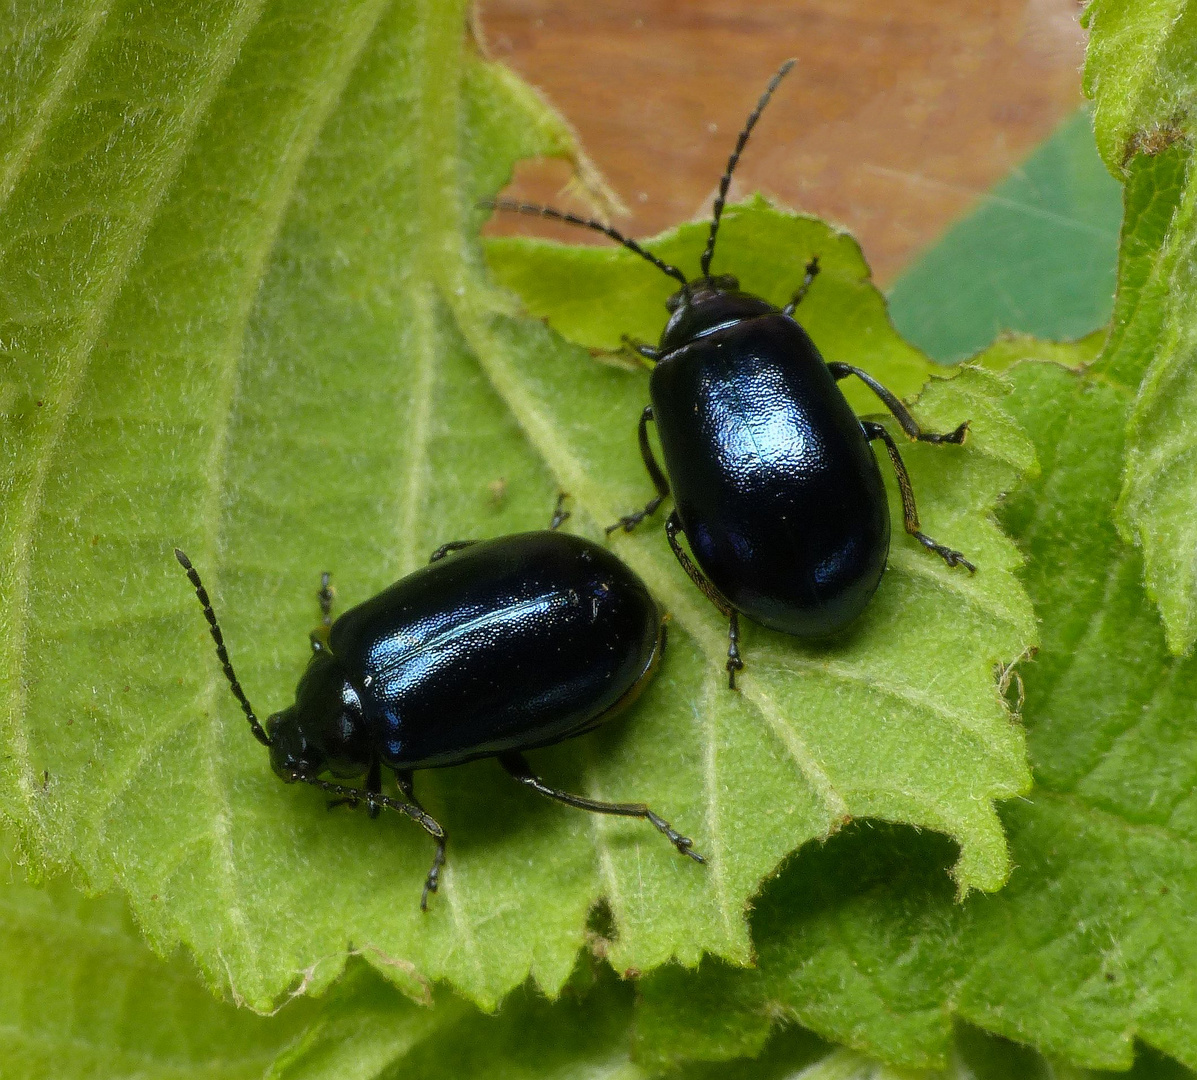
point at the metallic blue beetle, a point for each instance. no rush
(512, 644)
(775, 486)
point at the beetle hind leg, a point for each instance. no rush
(516, 764)
(629, 521)
(910, 512)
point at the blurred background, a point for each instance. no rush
(897, 116)
(902, 119)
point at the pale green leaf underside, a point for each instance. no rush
(244, 314)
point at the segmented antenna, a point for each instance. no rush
(534, 210)
(222, 653)
(725, 181)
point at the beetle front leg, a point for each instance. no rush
(673, 529)
(411, 808)
(629, 521)
(910, 512)
(516, 764)
(403, 777)
(901, 413)
(373, 787)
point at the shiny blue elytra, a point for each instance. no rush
(776, 488)
(496, 647)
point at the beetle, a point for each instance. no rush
(775, 486)
(509, 645)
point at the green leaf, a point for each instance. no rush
(1093, 943)
(1140, 70)
(245, 313)
(362, 1026)
(1152, 347)
(82, 996)
(1038, 255)
(586, 1033)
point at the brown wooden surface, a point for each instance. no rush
(899, 113)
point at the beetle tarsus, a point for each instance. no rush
(956, 436)
(629, 521)
(433, 880)
(684, 844)
(560, 514)
(952, 558)
(734, 662)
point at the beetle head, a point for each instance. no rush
(707, 305)
(324, 730)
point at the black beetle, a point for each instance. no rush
(775, 485)
(515, 643)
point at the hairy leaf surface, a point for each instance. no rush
(244, 313)
(1140, 70)
(1092, 943)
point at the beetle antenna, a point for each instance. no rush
(534, 210)
(725, 180)
(222, 653)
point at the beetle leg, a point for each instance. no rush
(646, 350)
(373, 787)
(560, 514)
(629, 521)
(734, 663)
(673, 527)
(910, 512)
(452, 545)
(412, 809)
(325, 596)
(516, 764)
(403, 777)
(319, 636)
(901, 413)
(812, 270)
